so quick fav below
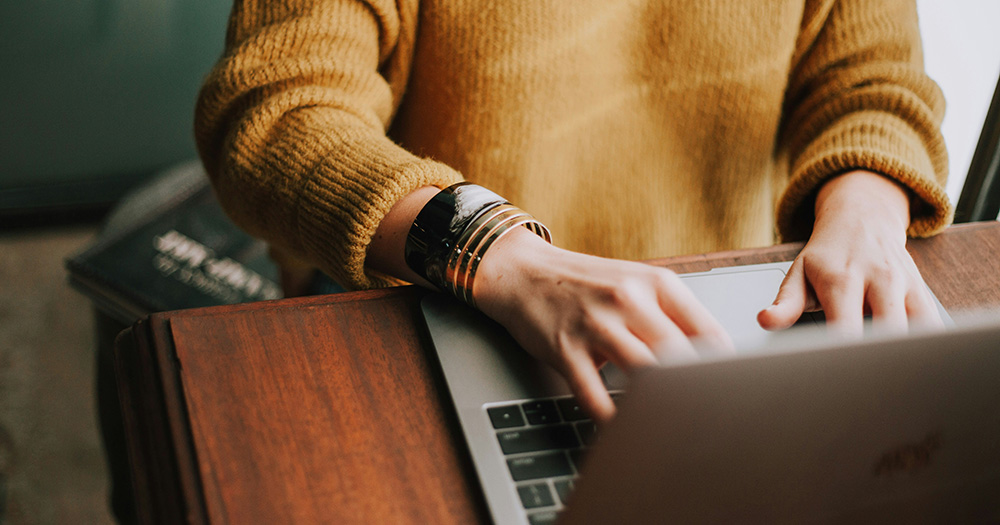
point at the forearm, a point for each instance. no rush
(385, 253)
(858, 99)
(291, 128)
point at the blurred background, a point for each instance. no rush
(98, 96)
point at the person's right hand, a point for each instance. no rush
(571, 310)
(578, 311)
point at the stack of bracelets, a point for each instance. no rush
(453, 231)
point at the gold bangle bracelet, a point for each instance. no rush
(450, 236)
(528, 221)
(477, 247)
(494, 228)
(466, 239)
(470, 239)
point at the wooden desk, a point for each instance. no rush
(331, 409)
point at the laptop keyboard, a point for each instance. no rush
(543, 442)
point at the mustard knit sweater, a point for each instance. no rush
(632, 128)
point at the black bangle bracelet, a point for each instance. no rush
(439, 225)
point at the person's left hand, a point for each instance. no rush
(855, 262)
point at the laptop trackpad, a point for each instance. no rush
(734, 296)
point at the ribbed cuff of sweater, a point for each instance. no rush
(873, 141)
(343, 204)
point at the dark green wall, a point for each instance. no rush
(97, 94)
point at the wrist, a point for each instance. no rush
(860, 194)
(505, 267)
(454, 231)
(385, 253)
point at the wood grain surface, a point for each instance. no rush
(332, 410)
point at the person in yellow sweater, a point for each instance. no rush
(631, 129)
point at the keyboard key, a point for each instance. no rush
(538, 439)
(538, 467)
(506, 416)
(570, 409)
(543, 518)
(535, 495)
(541, 412)
(563, 488)
(588, 432)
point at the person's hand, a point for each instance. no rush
(571, 310)
(577, 311)
(855, 262)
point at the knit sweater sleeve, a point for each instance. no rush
(291, 126)
(858, 98)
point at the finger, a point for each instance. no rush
(671, 344)
(922, 309)
(616, 342)
(842, 299)
(887, 302)
(791, 301)
(585, 381)
(684, 311)
(679, 350)
(658, 332)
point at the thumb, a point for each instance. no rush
(790, 302)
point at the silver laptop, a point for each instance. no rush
(528, 437)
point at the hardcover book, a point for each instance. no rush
(169, 246)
